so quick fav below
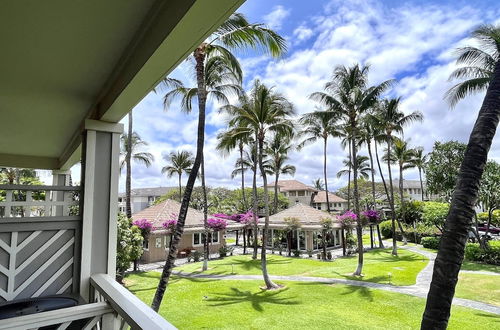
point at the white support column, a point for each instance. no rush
(100, 171)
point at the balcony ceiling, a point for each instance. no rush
(66, 61)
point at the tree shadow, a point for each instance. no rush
(237, 296)
(362, 291)
(245, 264)
(497, 317)
(383, 279)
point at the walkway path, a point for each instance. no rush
(419, 289)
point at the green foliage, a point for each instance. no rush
(413, 211)
(129, 244)
(292, 223)
(434, 214)
(495, 217)
(350, 241)
(386, 228)
(196, 255)
(225, 250)
(489, 189)
(443, 166)
(431, 242)
(491, 255)
(296, 253)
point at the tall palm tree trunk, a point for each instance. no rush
(199, 55)
(451, 249)
(128, 162)
(206, 243)
(245, 205)
(263, 261)
(374, 201)
(326, 179)
(276, 178)
(401, 195)
(421, 182)
(180, 187)
(349, 178)
(391, 200)
(359, 227)
(255, 208)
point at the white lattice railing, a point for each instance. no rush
(38, 201)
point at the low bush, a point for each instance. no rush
(491, 255)
(386, 228)
(430, 242)
(495, 217)
(225, 250)
(296, 253)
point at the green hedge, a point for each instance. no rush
(491, 255)
(430, 242)
(386, 228)
(420, 231)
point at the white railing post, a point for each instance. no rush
(100, 170)
(59, 178)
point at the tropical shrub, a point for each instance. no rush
(296, 253)
(196, 256)
(129, 245)
(434, 214)
(225, 250)
(431, 242)
(386, 228)
(495, 218)
(413, 211)
(491, 255)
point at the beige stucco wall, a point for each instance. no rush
(155, 253)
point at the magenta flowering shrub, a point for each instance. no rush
(144, 225)
(347, 219)
(216, 224)
(243, 218)
(170, 224)
(371, 215)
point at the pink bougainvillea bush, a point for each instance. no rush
(243, 218)
(144, 225)
(347, 218)
(372, 215)
(216, 224)
(170, 224)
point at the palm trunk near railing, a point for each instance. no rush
(206, 243)
(263, 254)
(245, 205)
(349, 178)
(421, 183)
(199, 55)
(451, 248)
(128, 162)
(255, 207)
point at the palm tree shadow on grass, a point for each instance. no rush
(245, 264)
(376, 279)
(497, 317)
(257, 299)
(362, 291)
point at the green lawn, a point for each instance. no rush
(230, 240)
(470, 265)
(485, 288)
(224, 304)
(377, 266)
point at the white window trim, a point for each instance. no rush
(201, 240)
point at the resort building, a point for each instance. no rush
(141, 198)
(308, 236)
(337, 204)
(157, 243)
(413, 190)
(89, 63)
(298, 192)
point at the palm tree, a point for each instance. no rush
(264, 111)
(364, 168)
(419, 160)
(451, 249)
(348, 94)
(318, 184)
(404, 158)
(133, 154)
(392, 120)
(277, 149)
(180, 163)
(320, 125)
(367, 135)
(235, 33)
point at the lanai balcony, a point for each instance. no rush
(70, 71)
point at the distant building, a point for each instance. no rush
(142, 198)
(298, 192)
(412, 190)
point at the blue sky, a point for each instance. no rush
(412, 42)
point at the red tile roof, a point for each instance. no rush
(288, 185)
(321, 198)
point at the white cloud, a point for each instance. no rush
(276, 17)
(412, 43)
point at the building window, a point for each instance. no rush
(145, 244)
(293, 193)
(167, 241)
(301, 193)
(158, 242)
(199, 238)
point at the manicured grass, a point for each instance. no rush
(377, 266)
(479, 287)
(225, 304)
(470, 265)
(230, 240)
